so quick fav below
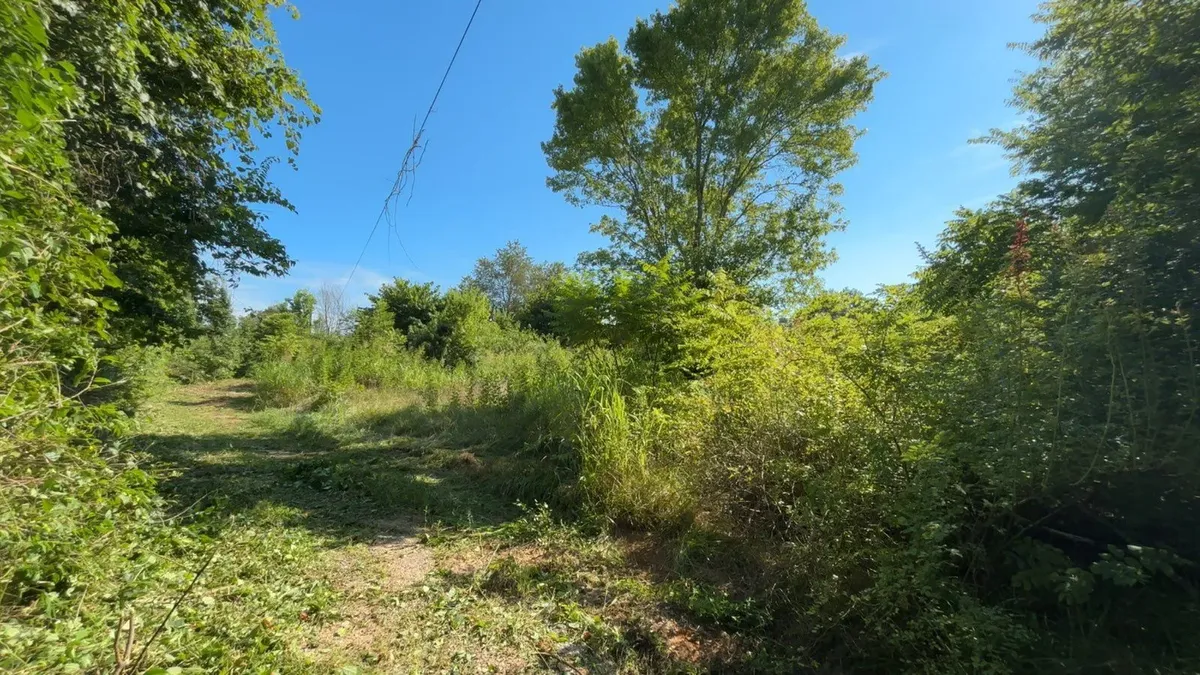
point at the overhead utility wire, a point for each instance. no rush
(408, 166)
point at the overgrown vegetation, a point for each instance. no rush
(88, 551)
(991, 469)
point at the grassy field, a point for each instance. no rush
(379, 534)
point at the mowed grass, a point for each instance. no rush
(410, 544)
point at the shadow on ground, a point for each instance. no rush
(388, 474)
(402, 470)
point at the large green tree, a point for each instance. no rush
(716, 133)
(173, 100)
(1113, 109)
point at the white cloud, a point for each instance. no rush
(862, 48)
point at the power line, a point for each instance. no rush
(408, 165)
(461, 40)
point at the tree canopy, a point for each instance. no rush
(1073, 393)
(716, 133)
(1112, 109)
(444, 326)
(172, 103)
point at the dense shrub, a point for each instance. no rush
(129, 376)
(862, 460)
(660, 320)
(460, 329)
(216, 351)
(209, 357)
(73, 507)
(455, 327)
(84, 542)
(884, 506)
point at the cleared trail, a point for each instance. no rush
(412, 556)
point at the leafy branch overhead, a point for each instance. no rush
(175, 101)
(716, 133)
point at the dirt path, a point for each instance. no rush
(211, 433)
(426, 563)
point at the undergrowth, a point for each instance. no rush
(798, 482)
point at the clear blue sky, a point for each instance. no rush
(372, 65)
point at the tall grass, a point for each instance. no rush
(320, 368)
(607, 422)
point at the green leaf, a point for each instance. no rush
(27, 119)
(33, 24)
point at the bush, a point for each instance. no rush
(279, 384)
(662, 321)
(456, 327)
(74, 506)
(459, 331)
(875, 516)
(207, 358)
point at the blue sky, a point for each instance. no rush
(373, 65)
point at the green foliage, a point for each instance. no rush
(209, 357)
(171, 104)
(273, 334)
(62, 493)
(1072, 393)
(712, 605)
(64, 528)
(658, 318)
(986, 472)
(303, 305)
(460, 328)
(279, 384)
(83, 536)
(1112, 110)
(453, 327)
(511, 279)
(411, 305)
(217, 352)
(717, 132)
(214, 305)
(53, 256)
(316, 367)
(131, 375)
